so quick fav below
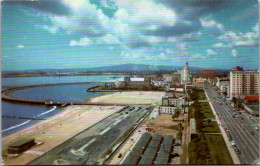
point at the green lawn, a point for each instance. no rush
(201, 96)
(218, 150)
(208, 149)
(211, 127)
(206, 110)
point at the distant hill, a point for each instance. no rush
(115, 68)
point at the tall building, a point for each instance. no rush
(209, 73)
(185, 74)
(244, 82)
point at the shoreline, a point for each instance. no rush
(69, 121)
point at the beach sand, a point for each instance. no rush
(131, 97)
(56, 129)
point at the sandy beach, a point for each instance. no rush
(129, 97)
(56, 129)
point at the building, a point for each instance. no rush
(243, 82)
(173, 101)
(167, 109)
(199, 82)
(21, 146)
(209, 73)
(185, 74)
(177, 88)
(176, 78)
(171, 104)
(222, 82)
(252, 108)
(224, 85)
(135, 83)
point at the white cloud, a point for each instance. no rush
(140, 54)
(145, 14)
(108, 39)
(234, 53)
(184, 37)
(168, 51)
(256, 27)
(239, 39)
(221, 45)
(20, 46)
(198, 56)
(83, 42)
(51, 29)
(211, 52)
(212, 26)
(111, 48)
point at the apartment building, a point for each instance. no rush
(244, 82)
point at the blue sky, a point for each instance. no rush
(89, 33)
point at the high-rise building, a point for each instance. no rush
(209, 73)
(244, 82)
(185, 74)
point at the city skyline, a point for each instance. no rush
(83, 34)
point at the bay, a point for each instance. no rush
(63, 93)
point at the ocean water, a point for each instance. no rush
(25, 81)
(63, 93)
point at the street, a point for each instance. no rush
(239, 127)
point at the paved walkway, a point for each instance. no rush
(229, 146)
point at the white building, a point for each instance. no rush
(167, 109)
(185, 74)
(177, 102)
(244, 82)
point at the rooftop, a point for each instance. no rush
(21, 142)
(252, 98)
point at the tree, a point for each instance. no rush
(209, 120)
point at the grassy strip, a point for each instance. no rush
(211, 127)
(218, 150)
(208, 149)
(206, 110)
(201, 96)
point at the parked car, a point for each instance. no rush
(226, 129)
(252, 133)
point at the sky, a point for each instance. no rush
(62, 34)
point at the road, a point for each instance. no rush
(247, 144)
(94, 143)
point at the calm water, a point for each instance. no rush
(62, 93)
(74, 93)
(24, 81)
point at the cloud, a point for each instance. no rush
(147, 53)
(211, 52)
(142, 23)
(51, 29)
(56, 7)
(20, 46)
(234, 53)
(197, 56)
(221, 45)
(108, 39)
(212, 26)
(83, 42)
(256, 27)
(239, 39)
